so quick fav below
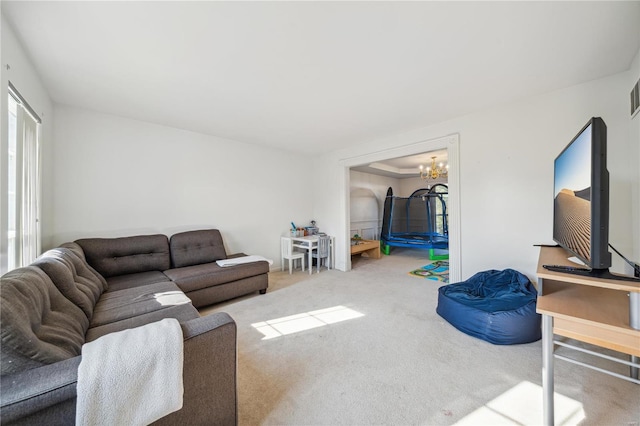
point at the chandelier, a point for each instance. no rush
(433, 171)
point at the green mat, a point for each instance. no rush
(436, 271)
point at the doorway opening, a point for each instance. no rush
(396, 166)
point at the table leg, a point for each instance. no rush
(310, 259)
(547, 370)
(634, 321)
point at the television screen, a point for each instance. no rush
(581, 196)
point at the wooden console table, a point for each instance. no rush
(370, 247)
(602, 312)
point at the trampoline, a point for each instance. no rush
(496, 306)
(418, 221)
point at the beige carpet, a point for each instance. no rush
(367, 347)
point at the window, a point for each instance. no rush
(23, 180)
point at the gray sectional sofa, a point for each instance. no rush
(83, 290)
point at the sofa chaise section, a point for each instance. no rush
(195, 271)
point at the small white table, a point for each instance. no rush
(309, 243)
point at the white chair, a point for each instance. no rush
(287, 252)
(322, 252)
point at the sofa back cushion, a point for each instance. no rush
(78, 282)
(196, 247)
(76, 249)
(127, 255)
(39, 325)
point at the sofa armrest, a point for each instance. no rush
(30, 394)
(210, 373)
(47, 395)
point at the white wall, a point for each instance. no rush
(410, 185)
(506, 173)
(118, 177)
(23, 75)
(377, 186)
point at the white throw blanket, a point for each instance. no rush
(240, 260)
(131, 377)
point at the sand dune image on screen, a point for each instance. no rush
(572, 226)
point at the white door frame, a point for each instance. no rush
(452, 144)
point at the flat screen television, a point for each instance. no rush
(581, 203)
(581, 197)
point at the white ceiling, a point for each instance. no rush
(313, 77)
(405, 167)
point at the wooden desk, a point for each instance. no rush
(592, 310)
(370, 247)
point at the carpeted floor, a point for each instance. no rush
(366, 347)
(435, 271)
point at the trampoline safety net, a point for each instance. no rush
(418, 221)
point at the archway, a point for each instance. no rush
(451, 144)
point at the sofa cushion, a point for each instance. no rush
(76, 249)
(72, 276)
(182, 313)
(196, 247)
(191, 278)
(127, 255)
(122, 282)
(39, 325)
(128, 303)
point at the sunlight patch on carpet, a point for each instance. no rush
(522, 405)
(305, 321)
(436, 271)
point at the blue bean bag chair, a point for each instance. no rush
(496, 306)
